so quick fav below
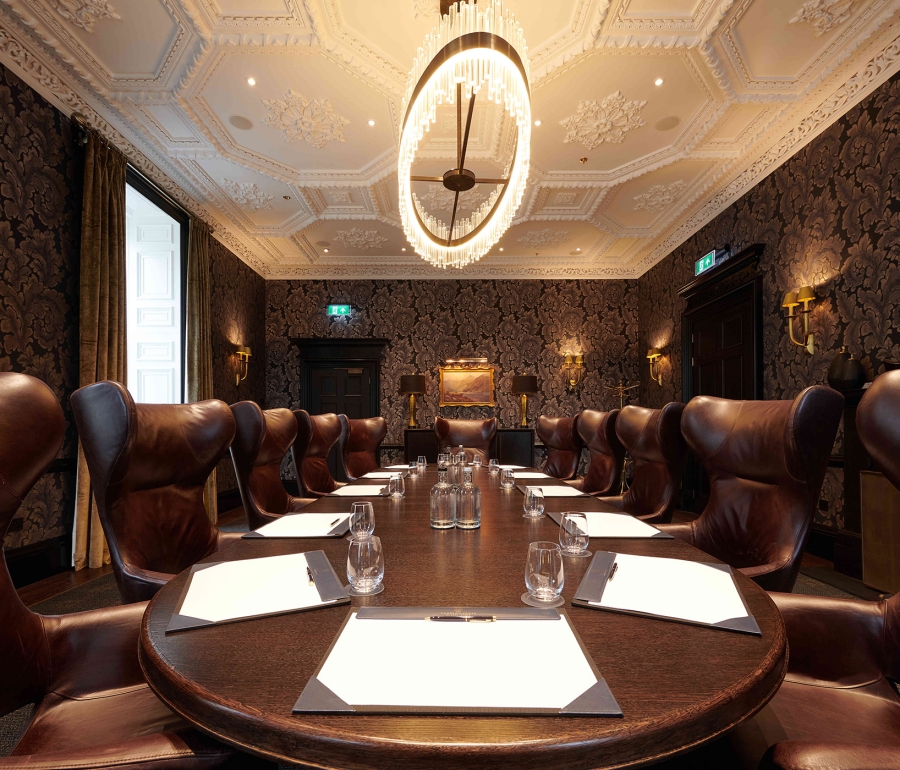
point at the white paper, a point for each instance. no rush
(495, 664)
(531, 475)
(603, 524)
(238, 589)
(672, 588)
(562, 490)
(379, 474)
(510, 467)
(303, 525)
(398, 467)
(359, 490)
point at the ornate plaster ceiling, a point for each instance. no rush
(296, 181)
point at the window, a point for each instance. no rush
(156, 258)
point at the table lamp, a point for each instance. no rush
(523, 385)
(411, 385)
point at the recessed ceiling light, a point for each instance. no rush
(286, 197)
(537, 122)
(582, 161)
(251, 81)
(578, 249)
(658, 82)
(371, 122)
(501, 248)
(402, 249)
(326, 251)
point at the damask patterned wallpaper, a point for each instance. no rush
(238, 311)
(39, 237)
(522, 327)
(829, 217)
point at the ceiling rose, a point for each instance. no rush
(474, 50)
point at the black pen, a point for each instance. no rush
(335, 521)
(312, 582)
(612, 572)
(464, 618)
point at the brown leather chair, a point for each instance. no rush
(475, 436)
(837, 707)
(149, 464)
(94, 708)
(653, 439)
(766, 461)
(316, 435)
(563, 444)
(261, 441)
(598, 432)
(358, 444)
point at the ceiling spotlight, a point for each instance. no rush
(582, 161)
(403, 249)
(286, 197)
(371, 122)
(501, 248)
(578, 249)
(658, 82)
(537, 122)
(326, 251)
(251, 81)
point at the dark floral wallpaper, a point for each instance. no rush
(829, 217)
(522, 327)
(237, 310)
(39, 237)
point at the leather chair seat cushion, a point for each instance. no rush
(116, 728)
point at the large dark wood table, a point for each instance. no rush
(678, 685)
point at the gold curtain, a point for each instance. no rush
(102, 351)
(199, 336)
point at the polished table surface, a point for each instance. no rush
(679, 685)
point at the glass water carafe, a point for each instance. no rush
(443, 503)
(468, 503)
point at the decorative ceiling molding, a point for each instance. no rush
(659, 196)
(824, 15)
(355, 238)
(247, 195)
(546, 238)
(606, 121)
(83, 13)
(312, 120)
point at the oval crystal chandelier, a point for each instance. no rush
(476, 49)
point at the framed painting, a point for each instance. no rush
(472, 386)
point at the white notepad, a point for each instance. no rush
(359, 490)
(379, 474)
(673, 588)
(239, 589)
(303, 525)
(399, 467)
(510, 467)
(602, 524)
(531, 475)
(561, 490)
(500, 674)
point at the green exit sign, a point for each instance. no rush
(705, 263)
(338, 310)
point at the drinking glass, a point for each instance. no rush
(362, 520)
(544, 577)
(494, 467)
(508, 478)
(476, 461)
(573, 534)
(396, 487)
(413, 470)
(534, 503)
(422, 463)
(443, 459)
(365, 566)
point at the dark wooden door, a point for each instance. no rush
(722, 350)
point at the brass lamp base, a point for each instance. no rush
(523, 410)
(412, 411)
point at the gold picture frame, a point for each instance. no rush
(467, 386)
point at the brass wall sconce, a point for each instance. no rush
(243, 353)
(523, 386)
(653, 356)
(573, 369)
(412, 385)
(791, 300)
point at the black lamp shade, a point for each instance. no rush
(524, 383)
(412, 383)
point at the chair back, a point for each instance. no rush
(358, 444)
(474, 435)
(766, 461)
(149, 464)
(598, 432)
(261, 441)
(563, 443)
(653, 439)
(31, 433)
(316, 435)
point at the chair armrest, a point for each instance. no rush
(615, 501)
(94, 651)
(577, 483)
(299, 503)
(832, 642)
(140, 585)
(682, 530)
(810, 755)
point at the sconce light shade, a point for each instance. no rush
(243, 353)
(790, 299)
(412, 383)
(523, 383)
(806, 294)
(244, 350)
(653, 354)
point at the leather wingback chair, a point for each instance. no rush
(94, 708)
(766, 461)
(598, 432)
(563, 443)
(261, 441)
(475, 436)
(149, 464)
(358, 444)
(316, 435)
(653, 439)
